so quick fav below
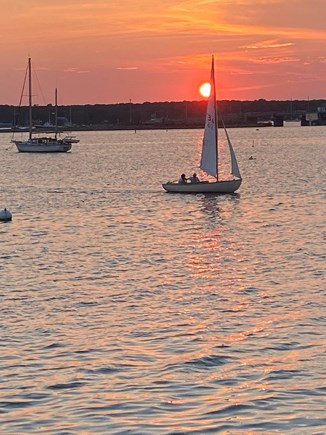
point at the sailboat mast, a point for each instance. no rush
(213, 87)
(30, 97)
(56, 112)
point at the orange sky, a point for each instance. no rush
(109, 51)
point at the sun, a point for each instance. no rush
(205, 89)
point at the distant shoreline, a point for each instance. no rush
(129, 128)
(164, 115)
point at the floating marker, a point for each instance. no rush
(5, 215)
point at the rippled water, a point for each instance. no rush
(125, 309)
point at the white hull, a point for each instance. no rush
(228, 186)
(45, 146)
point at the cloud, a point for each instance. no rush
(128, 68)
(274, 60)
(268, 44)
(75, 70)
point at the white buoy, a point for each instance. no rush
(5, 215)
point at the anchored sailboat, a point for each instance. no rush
(210, 157)
(41, 144)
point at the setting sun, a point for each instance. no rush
(205, 90)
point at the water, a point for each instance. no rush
(125, 309)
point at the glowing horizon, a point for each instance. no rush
(113, 52)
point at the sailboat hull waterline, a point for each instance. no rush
(221, 187)
(42, 146)
(210, 156)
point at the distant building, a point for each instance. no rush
(315, 118)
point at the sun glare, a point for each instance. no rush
(205, 90)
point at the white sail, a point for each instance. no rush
(209, 156)
(234, 164)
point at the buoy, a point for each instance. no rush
(5, 215)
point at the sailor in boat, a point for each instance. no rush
(183, 179)
(194, 178)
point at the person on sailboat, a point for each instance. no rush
(182, 179)
(194, 178)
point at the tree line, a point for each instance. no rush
(190, 113)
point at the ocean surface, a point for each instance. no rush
(128, 310)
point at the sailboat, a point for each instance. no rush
(39, 144)
(210, 156)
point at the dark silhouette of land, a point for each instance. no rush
(184, 114)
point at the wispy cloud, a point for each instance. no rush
(274, 60)
(268, 44)
(128, 68)
(75, 70)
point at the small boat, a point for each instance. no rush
(209, 157)
(43, 144)
(71, 139)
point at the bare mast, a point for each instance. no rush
(215, 114)
(30, 97)
(56, 112)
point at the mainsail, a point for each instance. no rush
(209, 156)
